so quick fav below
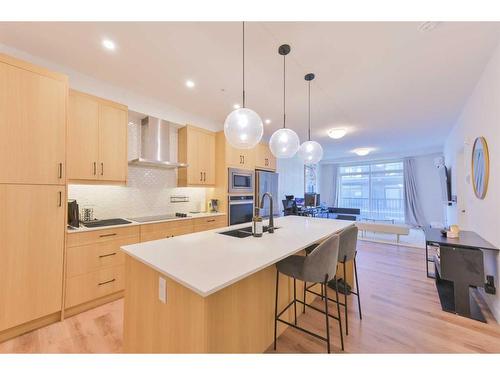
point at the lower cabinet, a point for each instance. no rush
(95, 265)
(32, 222)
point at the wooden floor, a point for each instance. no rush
(401, 314)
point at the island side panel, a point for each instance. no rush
(241, 316)
(151, 326)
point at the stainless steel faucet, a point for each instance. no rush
(270, 228)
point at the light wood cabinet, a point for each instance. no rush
(97, 139)
(32, 222)
(156, 231)
(32, 124)
(240, 158)
(196, 147)
(264, 158)
(211, 222)
(95, 263)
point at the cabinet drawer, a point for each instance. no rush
(150, 232)
(90, 286)
(92, 237)
(207, 223)
(92, 257)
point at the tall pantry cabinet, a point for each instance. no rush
(33, 105)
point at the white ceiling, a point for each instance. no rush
(395, 88)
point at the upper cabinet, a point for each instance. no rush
(32, 124)
(196, 147)
(97, 139)
(264, 158)
(240, 158)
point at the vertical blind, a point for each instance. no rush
(377, 189)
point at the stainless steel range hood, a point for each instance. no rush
(155, 144)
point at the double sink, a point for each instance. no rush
(243, 232)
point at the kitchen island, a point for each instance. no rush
(212, 293)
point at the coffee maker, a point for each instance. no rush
(213, 205)
(73, 214)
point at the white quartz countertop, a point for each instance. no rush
(207, 262)
(132, 222)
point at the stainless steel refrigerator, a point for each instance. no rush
(267, 182)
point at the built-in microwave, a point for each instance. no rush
(240, 181)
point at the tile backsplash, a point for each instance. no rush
(148, 190)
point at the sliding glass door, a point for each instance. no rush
(375, 188)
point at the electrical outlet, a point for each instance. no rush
(162, 289)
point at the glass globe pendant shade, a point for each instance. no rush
(243, 128)
(284, 143)
(311, 152)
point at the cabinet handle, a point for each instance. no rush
(107, 255)
(60, 199)
(201, 176)
(204, 176)
(243, 159)
(95, 168)
(107, 235)
(211, 220)
(60, 170)
(106, 282)
(102, 169)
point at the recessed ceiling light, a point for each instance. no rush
(267, 121)
(236, 106)
(189, 83)
(108, 44)
(362, 151)
(337, 133)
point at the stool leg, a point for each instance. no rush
(276, 307)
(357, 287)
(345, 301)
(304, 306)
(295, 299)
(326, 319)
(322, 292)
(338, 313)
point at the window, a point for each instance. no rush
(375, 188)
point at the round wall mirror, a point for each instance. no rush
(480, 167)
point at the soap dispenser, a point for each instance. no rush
(257, 228)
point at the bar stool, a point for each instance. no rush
(320, 266)
(348, 239)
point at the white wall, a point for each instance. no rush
(480, 117)
(429, 188)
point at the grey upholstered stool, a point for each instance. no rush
(320, 266)
(348, 239)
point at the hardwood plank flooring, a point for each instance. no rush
(400, 306)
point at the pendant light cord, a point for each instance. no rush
(243, 64)
(284, 91)
(309, 114)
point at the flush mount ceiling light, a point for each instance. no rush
(284, 143)
(108, 44)
(243, 127)
(310, 152)
(267, 121)
(427, 26)
(337, 133)
(190, 84)
(362, 151)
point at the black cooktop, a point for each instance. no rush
(104, 223)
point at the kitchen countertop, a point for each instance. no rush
(133, 223)
(208, 261)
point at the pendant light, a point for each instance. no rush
(284, 142)
(310, 152)
(243, 127)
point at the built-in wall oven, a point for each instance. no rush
(240, 209)
(240, 181)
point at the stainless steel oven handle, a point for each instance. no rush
(241, 202)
